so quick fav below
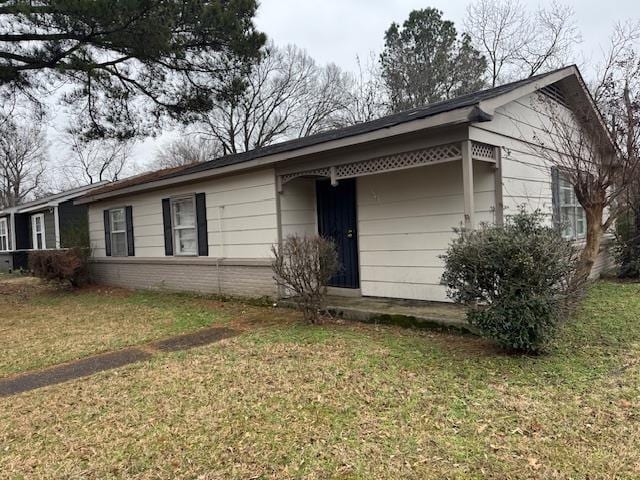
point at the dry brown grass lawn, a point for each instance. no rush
(348, 401)
(42, 325)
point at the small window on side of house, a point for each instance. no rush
(4, 235)
(572, 217)
(185, 237)
(118, 224)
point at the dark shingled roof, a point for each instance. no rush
(353, 130)
(70, 193)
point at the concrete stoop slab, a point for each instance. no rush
(391, 311)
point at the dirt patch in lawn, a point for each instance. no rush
(107, 361)
(192, 340)
(113, 292)
(22, 287)
(70, 371)
(43, 326)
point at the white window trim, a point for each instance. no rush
(5, 235)
(574, 215)
(175, 227)
(34, 233)
(112, 231)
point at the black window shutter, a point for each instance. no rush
(555, 196)
(201, 222)
(131, 250)
(107, 233)
(168, 234)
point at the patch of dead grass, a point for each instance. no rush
(344, 407)
(287, 400)
(42, 325)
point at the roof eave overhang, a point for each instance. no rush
(492, 104)
(35, 208)
(59, 198)
(465, 115)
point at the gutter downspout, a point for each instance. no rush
(220, 209)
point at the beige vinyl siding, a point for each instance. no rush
(406, 221)
(526, 177)
(241, 216)
(298, 207)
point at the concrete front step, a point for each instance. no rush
(391, 311)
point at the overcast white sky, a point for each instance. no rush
(340, 30)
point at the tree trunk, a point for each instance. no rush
(591, 248)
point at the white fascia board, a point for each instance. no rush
(453, 117)
(492, 104)
(45, 205)
(35, 208)
(64, 197)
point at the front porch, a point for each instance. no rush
(392, 208)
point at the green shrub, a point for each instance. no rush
(69, 265)
(516, 280)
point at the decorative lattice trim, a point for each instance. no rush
(482, 151)
(399, 161)
(386, 163)
(318, 172)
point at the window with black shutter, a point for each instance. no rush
(185, 225)
(118, 232)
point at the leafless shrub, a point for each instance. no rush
(303, 266)
(61, 265)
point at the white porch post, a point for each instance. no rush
(56, 227)
(467, 185)
(280, 291)
(499, 201)
(12, 230)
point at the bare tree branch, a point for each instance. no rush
(186, 150)
(519, 43)
(96, 161)
(23, 154)
(286, 95)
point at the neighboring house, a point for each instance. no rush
(48, 223)
(389, 192)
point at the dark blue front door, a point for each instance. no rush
(337, 220)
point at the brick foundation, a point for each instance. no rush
(247, 278)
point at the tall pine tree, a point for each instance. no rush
(175, 55)
(426, 61)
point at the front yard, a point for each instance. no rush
(341, 400)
